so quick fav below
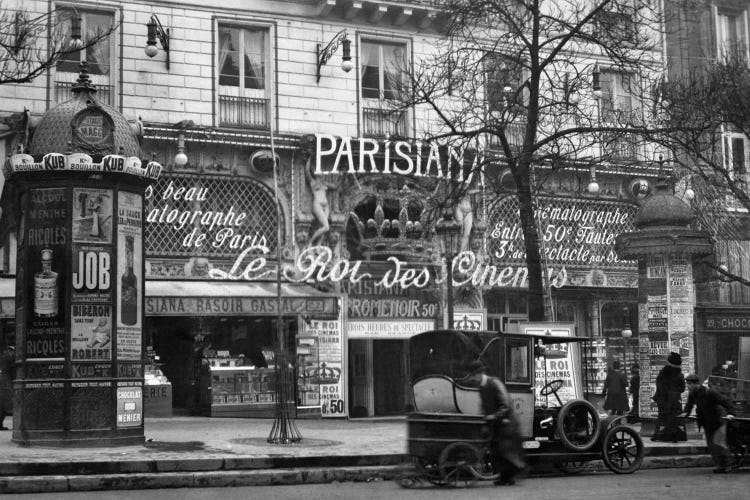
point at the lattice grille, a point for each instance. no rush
(218, 194)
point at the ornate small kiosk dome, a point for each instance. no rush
(663, 209)
(84, 125)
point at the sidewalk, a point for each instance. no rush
(199, 451)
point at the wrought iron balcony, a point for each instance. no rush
(244, 112)
(63, 92)
(378, 122)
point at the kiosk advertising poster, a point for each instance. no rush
(92, 215)
(91, 332)
(129, 279)
(45, 238)
(129, 404)
(327, 373)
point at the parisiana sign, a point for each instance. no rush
(408, 158)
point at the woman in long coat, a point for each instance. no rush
(616, 391)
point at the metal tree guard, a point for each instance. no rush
(284, 430)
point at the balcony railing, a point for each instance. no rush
(383, 123)
(622, 148)
(514, 132)
(104, 93)
(243, 112)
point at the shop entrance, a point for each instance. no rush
(377, 384)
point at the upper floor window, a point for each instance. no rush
(617, 101)
(731, 33)
(736, 154)
(99, 57)
(244, 78)
(504, 80)
(383, 67)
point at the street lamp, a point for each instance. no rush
(449, 230)
(626, 334)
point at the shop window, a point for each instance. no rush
(383, 79)
(100, 58)
(244, 77)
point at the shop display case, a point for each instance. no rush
(157, 391)
(237, 390)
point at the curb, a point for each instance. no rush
(264, 477)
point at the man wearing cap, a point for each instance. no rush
(497, 406)
(710, 408)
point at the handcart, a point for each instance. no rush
(737, 391)
(447, 437)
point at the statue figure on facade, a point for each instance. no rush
(321, 209)
(464, 215)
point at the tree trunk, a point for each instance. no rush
(531, 242)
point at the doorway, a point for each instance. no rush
(389, 373)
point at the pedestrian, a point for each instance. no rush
(7, 367)
(670, 384)
(634, 388)
(615, 391)
(505, 442)
(710, 410)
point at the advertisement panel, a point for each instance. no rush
(129, 276)
(92, 215)
(374, 329)
(129, 405)
(45, 236)
(91, 332)
(324, 368)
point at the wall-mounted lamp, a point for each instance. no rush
(593, 186)
(325, 54)
(75, 31)
(180, 159)
(155, 29)
(596, 77)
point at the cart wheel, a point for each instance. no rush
(622, 450)
(578, 425)
(458, 463)
(571, 466)
(484, 471)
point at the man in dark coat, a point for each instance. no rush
(710, 408)
(616, 390)
(7, 364)
(505, 442)
(670, 384)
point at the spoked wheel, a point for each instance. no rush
(578, 425)
(485, 470)
(623, 450)
(458, 463)
(571, 467)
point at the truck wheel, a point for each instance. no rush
(578, 425)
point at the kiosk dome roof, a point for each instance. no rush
(56, 132)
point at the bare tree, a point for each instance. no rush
(32, 44)
(528, 77)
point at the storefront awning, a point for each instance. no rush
(241, 298)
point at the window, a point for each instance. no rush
(99, 58)
(517, 362)
(504, 80)
(736, 155)
(244, 79)
(617, 99)
(616, 26)
(731, 33)
(383, 79)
